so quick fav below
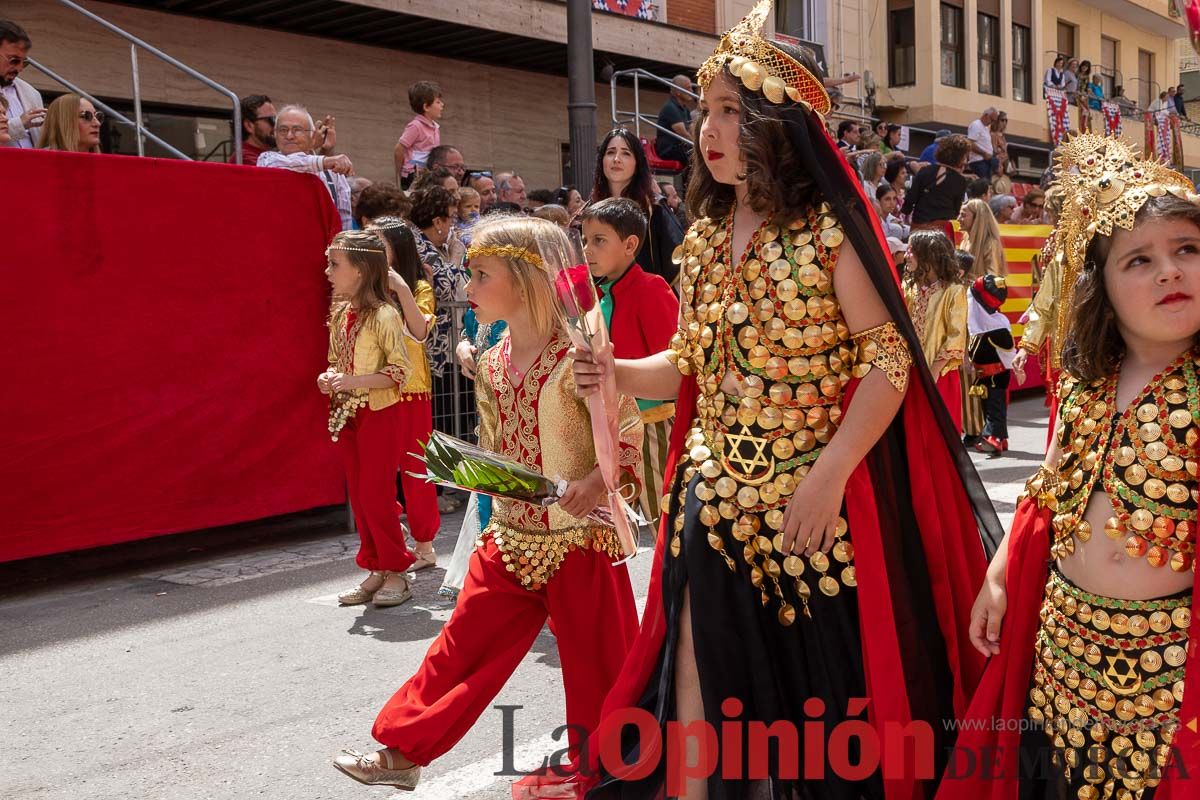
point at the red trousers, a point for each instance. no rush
(416, 423)
(949, 386)
(590, 606)
(370, 447)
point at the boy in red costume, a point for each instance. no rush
(642, 315)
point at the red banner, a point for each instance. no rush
(1176, 143)
(641, 9)
(165, 327)
(1056, 112)
(1112, 118)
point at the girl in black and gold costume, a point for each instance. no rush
(1095, 581)
(818, 541)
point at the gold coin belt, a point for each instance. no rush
(1107, 687)
(534, 556)
(773, 323)
(1144, 460)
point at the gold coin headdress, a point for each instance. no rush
(1104, 183)
(762, 67)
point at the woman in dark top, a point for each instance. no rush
(622, 171)
(937, 191)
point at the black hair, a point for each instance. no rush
(540, 196)
(12, 33)
(430, 204)
(641, 187)
(893, 170)
(403, 241)
(619, 213)
(844, 126)
(882, 189)
(977, 188)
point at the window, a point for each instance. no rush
(952, 47)
(1066, 38)
(1110, 64)
(989, 54)
(1022, 83)
(902, 47)
(1146, 84)
(796, 18)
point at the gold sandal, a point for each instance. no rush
(387, 597)
(372, 772)
(358, 595)
(424, 561)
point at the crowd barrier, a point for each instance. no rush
(166, 324)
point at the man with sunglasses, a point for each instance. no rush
(25, 112)
(258, 128)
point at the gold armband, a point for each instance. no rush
(882, 347)
(1028, 347)
(1043, 488)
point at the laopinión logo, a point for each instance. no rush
(852, 749)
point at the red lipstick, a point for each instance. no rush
(713, 155)
(1174, 297)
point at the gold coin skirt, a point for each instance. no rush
(1107, 686)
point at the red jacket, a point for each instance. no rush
(645, 314)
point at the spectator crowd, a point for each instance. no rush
(958, 178)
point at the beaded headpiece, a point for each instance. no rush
(357, 242)
(762, 67)
(508, 252)
(1104, 184)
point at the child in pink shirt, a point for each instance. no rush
(422, 133)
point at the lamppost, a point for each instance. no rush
(581, 93)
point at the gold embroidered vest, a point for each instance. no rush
(773, 322)
(1143, 459)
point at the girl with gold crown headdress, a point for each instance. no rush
(1088, 694)
(820, 500)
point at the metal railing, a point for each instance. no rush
(636, 116)
(137, 123)
(109, 111)
(454, 393)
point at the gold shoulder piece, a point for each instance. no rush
(884, 348)
(1043, 488)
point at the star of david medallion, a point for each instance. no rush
(1122, 675)
(745, 458)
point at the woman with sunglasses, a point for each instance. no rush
(622, 171)
(72, 124)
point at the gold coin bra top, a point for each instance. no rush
(1143, 459)
(771, 322)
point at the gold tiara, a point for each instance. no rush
(1104, 184)
(508, 252)
(762, 67)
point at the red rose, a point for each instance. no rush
(576, 290)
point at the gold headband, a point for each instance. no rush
(1104, 184)
(762, 67)
(508, 252)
